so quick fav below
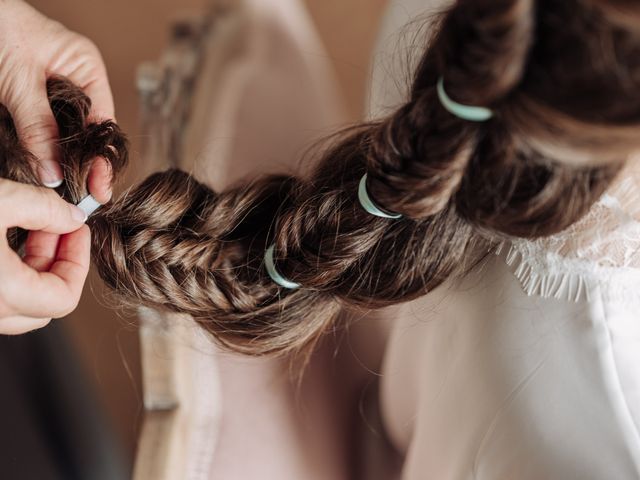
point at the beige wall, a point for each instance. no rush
(348, 29)
(128, 32)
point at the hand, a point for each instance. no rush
(47, 282)
(32, 48)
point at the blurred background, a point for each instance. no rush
(128, 33)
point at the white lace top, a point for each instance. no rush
(602, 251)
(529, 369)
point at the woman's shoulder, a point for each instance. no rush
(528, 363)
(486, 380)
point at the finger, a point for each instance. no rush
(72, 259)
(40, 250)
(54, 293)
(17, 325)
(36, 127)
(99, 181)
(92, 77)
(99, 91)
(36, 208)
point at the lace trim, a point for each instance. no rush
(599, 255)
(550, 275)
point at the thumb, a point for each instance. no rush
(36, 126)
(37, 208)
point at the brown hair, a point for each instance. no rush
(563, 78)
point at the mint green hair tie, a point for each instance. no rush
(369, 205)
(465, 112)
(274, 274)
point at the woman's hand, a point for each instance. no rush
(47, 281)
(32, 48)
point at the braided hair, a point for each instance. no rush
(563, 81)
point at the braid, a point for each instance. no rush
(199, 254)
(173, 243)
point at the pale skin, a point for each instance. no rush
(47, 281)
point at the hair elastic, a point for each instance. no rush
(274, 274)
(465, 112)
(89, 205)
(369, 205)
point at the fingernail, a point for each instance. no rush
(49, 179)
(78, 214)
(52, 184)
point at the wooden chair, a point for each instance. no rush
(191, 102)
(179, 383)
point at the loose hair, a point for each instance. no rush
(563, 81)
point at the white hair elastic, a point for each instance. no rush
(89, 205)
(465, 112)
(369, 205)
(273, 272)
